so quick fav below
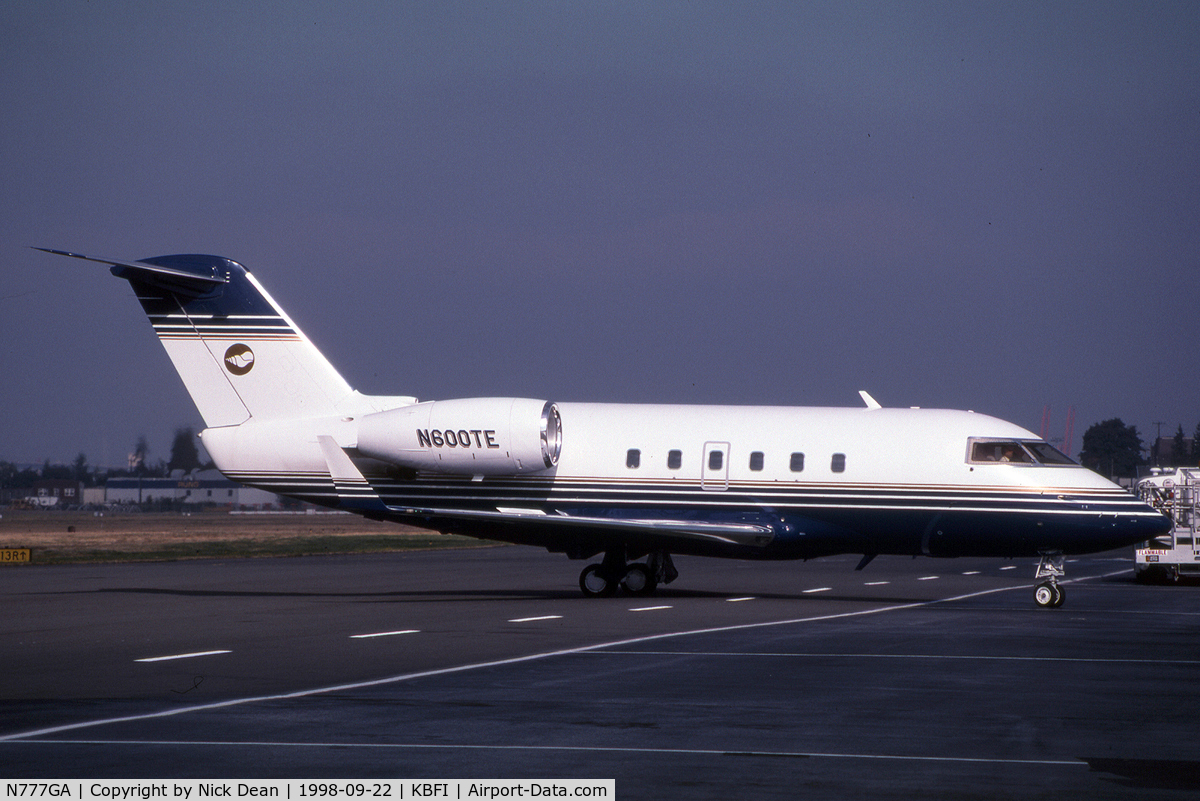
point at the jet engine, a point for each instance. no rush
(470, 436)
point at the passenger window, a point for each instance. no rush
(838, 464)
(797, 463)
(674, 460)
(633, 458)
(715, 460)
(756, 460)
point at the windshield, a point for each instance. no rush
(1048, 454)
(1012, 451)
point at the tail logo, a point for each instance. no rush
(239, 359)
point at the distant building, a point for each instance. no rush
(200, 487)
(56, 492)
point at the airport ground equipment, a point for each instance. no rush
(1175, 554)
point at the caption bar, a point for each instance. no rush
(394, 789)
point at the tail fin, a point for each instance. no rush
(238, 353)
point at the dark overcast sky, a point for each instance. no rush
(990, 206)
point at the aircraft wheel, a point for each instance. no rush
(1060, 596)
(1045, 594)
(595, 583)
(638, 580)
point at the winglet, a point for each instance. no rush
(867, 399)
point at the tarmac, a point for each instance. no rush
(910, 679)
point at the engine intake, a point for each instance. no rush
(470, 436)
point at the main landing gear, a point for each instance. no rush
(639, 578)
(1048, 594)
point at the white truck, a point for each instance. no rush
(1176, 554)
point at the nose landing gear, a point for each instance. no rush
(1048, 594)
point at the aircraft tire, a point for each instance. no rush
(1045, 595)
(1060, 595)
(595, 583)
(638, 580)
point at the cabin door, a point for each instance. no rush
(714, 473)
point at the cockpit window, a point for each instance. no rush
(992, 451)
(999, 452)
(1048, 454)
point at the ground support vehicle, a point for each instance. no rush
(1176, 554)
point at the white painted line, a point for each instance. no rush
(648, 608)
(735, 600)
(575, 749)
(818, 589)
(514, 660)
(531, 619)
(927, 578)
(181, 656)
(1009, 567)
(931, 657)
(875, 583)
(383, 634)
(971, 573)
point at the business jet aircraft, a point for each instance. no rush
(626, 481)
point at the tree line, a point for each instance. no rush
(184, 456)
(1114, 450)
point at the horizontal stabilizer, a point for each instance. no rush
(199, 280)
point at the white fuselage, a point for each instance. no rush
(824, 480)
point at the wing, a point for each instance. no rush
(357, 494)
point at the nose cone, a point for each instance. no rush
(1141, 529)
(1132, 529)
(1103, 533)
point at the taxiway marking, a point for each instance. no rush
(181, 656)
(532, 619)
(648, 608)
(383, 634)
(817, 589)
(597, 749)
(493, 663)
(934, 657)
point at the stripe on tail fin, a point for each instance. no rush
(238, 353)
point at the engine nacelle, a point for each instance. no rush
(471, 436)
